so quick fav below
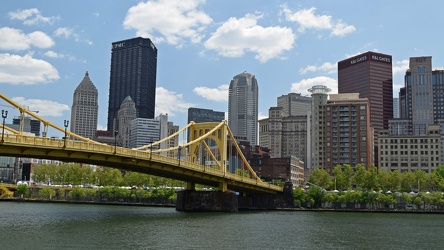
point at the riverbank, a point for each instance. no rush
(88, 202)
(305, 209)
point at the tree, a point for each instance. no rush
(22, 189)
(395, 180)
(47, 192)
(407, 180)
(321, 178)
(316, 194)
(359, 176)
(371, 179)
(340, 178)
(421, 179)
(77, 193)
(439, 171)
(348, 173)
(384, 180)
(299, 195)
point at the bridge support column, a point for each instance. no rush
(206, 201)
(223, 187)
(190, 186)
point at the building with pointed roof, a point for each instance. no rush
(85, 108)
(125, 115)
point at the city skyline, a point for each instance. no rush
(45, 48)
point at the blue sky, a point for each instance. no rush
(47, 46)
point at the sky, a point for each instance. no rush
(47, 46)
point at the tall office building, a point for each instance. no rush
(294, 104)
(243, 107)
(422, 94)
(133, 73)
(85, 108)
(370, 75)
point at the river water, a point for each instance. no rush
(74, 226)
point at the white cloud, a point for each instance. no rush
(15, 69)
(53, 54)
(44, 107)
(307, 19)
(262, 116)
(14, 39)
(327, 67)
(31, 17)
(303, 86)
(400, 67)
(63, 32)
(171, 21)
(219, 94)
(236, 36)
(170, 102)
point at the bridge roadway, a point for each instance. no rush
(17, 145)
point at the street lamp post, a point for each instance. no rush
(4, 115)
(65, 123)
(115, 140)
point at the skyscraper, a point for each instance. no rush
(370, 75)
(243, 107)
(204, 115)
(85, 108)
(133, 73)
(422, 94)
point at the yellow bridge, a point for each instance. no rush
(210, 157)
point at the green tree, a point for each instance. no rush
(321, 178)
(316, 194)
(339, 176)
(359, 176)
(384, 180)
(22, 189)
(330, 197)
(439, 171)
(394, 180)
(371, 179)
(299, 195)
(109, 177)
(77, 193)
(421, 179)
(47, 193)
(407, 181)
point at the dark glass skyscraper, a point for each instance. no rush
(199, 115)
(133, 73)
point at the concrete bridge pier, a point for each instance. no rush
(206, 201)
